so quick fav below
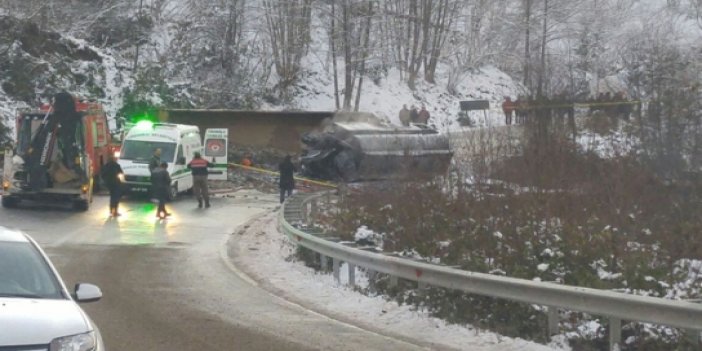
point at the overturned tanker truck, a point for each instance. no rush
(354, 151)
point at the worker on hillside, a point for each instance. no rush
(161, 186)
(414, 115)
(155, 160)
(424, 115)
(508, 108)
(112, 174)
(405, 116)
(287, 181)
(199, 168)
(246, 161)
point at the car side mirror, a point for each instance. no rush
(85, 292)
(180, 161)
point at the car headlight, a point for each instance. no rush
(80, 342)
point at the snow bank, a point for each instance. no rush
(267, 255)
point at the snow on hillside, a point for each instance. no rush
(386, 98)
(383, 96)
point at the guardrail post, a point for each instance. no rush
(335, 267)
(693, 336)
(323, 263)
(352, 274)
(393, 281)
(552, 320)
(615, 333)
(303, 212)
(313, 212)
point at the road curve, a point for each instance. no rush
(167, 286)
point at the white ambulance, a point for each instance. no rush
(177, 142)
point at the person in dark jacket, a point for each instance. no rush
(199, 168)
(155, 160)
(112, 174)
(161, 186)
(287, 181)
(414, 115)
(404, 116)
(423, 115)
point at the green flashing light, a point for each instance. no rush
(144, 124)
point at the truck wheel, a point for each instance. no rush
(9, 202)
(174, 192)
(81, 205)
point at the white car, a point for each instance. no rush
(37, 312)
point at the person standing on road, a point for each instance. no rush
(161, 185)
(287, 181)
(111, 174)
(199, 168)
(155, 160)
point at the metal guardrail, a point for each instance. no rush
(295, 215)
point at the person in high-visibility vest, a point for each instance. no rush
(246, 161)
(199, 168)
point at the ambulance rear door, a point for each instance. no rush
(216, 150)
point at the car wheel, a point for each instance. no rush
(174, 192)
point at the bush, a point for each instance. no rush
(550, 213)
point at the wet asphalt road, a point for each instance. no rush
(167, 284)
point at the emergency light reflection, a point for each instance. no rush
(138, 225)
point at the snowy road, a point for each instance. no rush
(168, 286)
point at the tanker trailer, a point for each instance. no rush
(352, 151)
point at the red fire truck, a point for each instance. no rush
(72, 183)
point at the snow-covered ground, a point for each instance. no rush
(268, 257)
(386, 98)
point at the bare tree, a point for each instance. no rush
(288, 23)
(332, 45)
(527, 40)
(364, 54)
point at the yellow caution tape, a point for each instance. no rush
(266, 171)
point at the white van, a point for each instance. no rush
(177, 142)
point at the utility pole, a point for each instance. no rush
(527, 39)
(542, 73)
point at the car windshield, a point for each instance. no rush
(142, 151)
(25, 273)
